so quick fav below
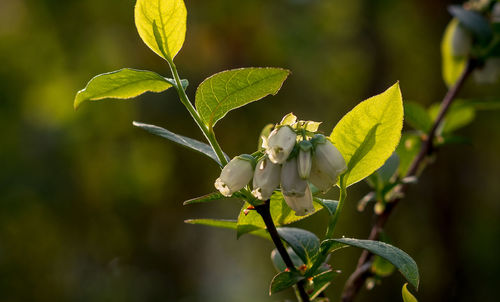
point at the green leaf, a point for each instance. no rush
(459, 115)
(181, 140)
(278, 262)
(304, 243)
(122, 84)
(225, 224)
(161, 25)
(321, 281)
(405, 264)
(283, 281)
(417, 117)
(280, 212)
(473, 21)
(219, 223)
(452, 66)
(369, 133)
(407, 296)
(407, 149)
(329, 246)
(330, 205)
(206, 198)
(231, 89)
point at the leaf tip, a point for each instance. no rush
(78, 99)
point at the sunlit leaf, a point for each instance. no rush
(407, 296)
(122, 84)
(405, 264)
(452, 66)
(231, 89)
(304, 243)
(181, 140)
(369, 133)
(165, 17)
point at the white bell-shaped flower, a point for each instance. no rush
(235, 175)
(266, 178)
(302, 205)
(489, 73)
(304, 160)
(327, 165)
(291, 183)
(461, 42)
(280, 144)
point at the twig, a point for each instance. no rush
(265, 212)
(358, 277)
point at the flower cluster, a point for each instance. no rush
(292, 156)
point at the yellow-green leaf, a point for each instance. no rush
(161, 25)
(225, 224)
(407, 296)
(121, 84)
(452, 66)
(369, 133)
(231, 89)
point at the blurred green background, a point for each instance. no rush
(91, 207)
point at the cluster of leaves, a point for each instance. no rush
(366, 137)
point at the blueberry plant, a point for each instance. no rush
(295, 163)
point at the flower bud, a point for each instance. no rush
(304, 161)
(302, 205)
(280, 143)
(291, 183)
(461, 42)
(327, 165)
(235, 175)
(266, 178)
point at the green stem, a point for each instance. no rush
(335, 217)
(208, 132)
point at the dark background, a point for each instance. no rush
(91, 207)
